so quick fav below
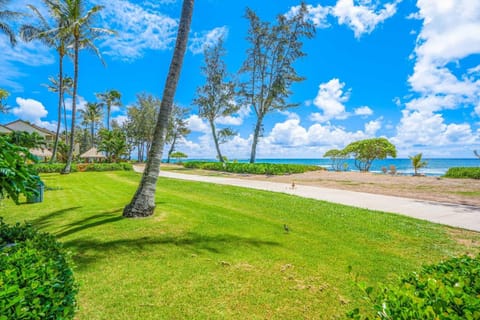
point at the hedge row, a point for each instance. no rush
(252, 168)
(36, 277)
(58, 167)
(463, 173)
(448, 290)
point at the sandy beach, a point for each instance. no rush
(456, 191)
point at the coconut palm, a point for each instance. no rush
(54, 86)
(417, 163)
(8, 15)
(110, 98)
(79, 24)
(143, 202)
(54, 36)
(92, 115)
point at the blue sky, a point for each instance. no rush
(405, 70)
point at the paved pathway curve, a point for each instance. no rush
(462, 216)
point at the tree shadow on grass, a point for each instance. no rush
(89, 222)
(46, 220)
(90, 251)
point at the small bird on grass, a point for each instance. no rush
(293, 184)
(286, 228)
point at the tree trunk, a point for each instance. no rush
(172, 148)
(256, 135)
(143, 202)
(68, 166)
(215, 140)
(108, 116)
(60, 99)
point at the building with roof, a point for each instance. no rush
(21, 125)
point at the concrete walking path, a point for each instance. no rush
(461, 216)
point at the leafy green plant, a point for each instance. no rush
(463, 173)
(107, 166)
(448, 290)
(52, 167)
(418, 163)
(16, 175)
(366, 151)
(36, 277)
(252, 168)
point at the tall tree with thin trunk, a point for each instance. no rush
(66, 88)
(143, 202)
(215, 98)
(78, 24)
(54, 36)
(177, 128)
(8, 15)
(110, 98)
(269, 66)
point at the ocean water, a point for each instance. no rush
(435, 167)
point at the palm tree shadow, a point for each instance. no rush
(90, 251)
(89, 222)
(46, 220)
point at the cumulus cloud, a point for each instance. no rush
(206, 39)
(33, 111)
(448, 35)
(363, 111)
(196, 124)
(360, 16)
(330, 100)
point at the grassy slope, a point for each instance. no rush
(221, 252)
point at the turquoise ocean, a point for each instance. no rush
(435, 167)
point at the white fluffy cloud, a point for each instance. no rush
(330, 100)
(363, 111)
(33, 111)
(196, 124)
(206, 39)
(139, 28)
(362, 16)
(449, 34)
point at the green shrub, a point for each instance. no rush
(448, 290)
(53, 167)
(36, 280)
(252, 168)
(463, 173)
(108, 166)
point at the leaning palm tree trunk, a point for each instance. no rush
(143, 202)
(60, 100)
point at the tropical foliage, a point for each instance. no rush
(338, 158)
(177, 129)
(3, 97)
(113, 143)
(110, 98)
(6, 15)
(16, 175)
(463, 173)
(252, 168)
(448, 290)
(37, 278)
(366, 151)
(418, 163)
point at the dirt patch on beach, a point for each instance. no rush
(457, 191)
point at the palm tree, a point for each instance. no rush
(476, 153)
(54, 36)
(92, 115)
(54, 86)
(79, 25)
(417, 163)
(110, 98)
(143, 202)
(8, 15)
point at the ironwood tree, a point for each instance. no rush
(177, 128)
(269, 66)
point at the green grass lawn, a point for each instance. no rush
(218, 252)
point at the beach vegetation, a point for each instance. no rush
(366, 151)
(177, 129)
(143, 201)
(449, 289)
(252, 168)
(3, 97)
(36, 275)
(216, 98)
(113, 143)
(463, 173)
(92, 116)
(338, 158)
(220, 252)
(269, 66)
(417, 163)
(179, 155)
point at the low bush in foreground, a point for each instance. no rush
(448, 290)
(36, 280)
(53, 167)
(463, 173)
(252, 168)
